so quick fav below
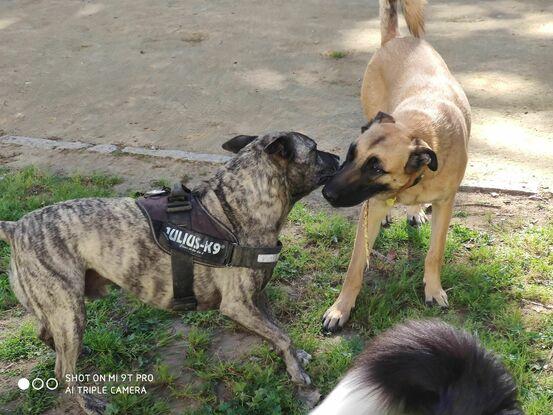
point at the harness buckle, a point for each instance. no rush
(227, 262)
(179, 199)
(173, 207)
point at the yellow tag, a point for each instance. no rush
(391, 202)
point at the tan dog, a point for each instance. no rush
(416, 154)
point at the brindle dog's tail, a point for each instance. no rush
(413, 11)
(6, 231)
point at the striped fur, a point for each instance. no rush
(6, 231)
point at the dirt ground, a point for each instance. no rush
(188, 75)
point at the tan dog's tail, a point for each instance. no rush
(6, 231)
(413, 11)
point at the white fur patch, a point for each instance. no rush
(350, 397)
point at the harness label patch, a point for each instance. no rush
(267, 258)
(196, 244)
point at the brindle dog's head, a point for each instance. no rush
(382, 160)
(305, 167)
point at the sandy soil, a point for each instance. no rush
(188, 75)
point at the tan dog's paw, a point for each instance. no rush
(437, 295)
(416, 215)
(335, 317)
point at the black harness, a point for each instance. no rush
(183, 228)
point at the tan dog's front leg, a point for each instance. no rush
(248, 315)
(337, 315)
(441, 215)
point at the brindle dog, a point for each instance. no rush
(72, 250)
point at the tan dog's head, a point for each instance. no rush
(384, 159)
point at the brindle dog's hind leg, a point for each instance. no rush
(246, 312)
(58, 303)
(45, 335)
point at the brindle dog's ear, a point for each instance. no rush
(382, 117)
(238, 143)
(422, 155)
(280, 146)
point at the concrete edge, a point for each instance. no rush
(49, 144)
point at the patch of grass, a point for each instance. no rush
(337, 54)
(30, 189)
(121, 332)
(491, 276)
(23, 344)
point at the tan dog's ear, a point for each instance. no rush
(382, 117)
(421, 155)
(238, 143)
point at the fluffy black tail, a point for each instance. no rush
(428, 367)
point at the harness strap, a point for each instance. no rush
(183, 281)
(259, 258)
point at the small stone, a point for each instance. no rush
(494, 194)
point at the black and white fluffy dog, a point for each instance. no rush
(424, 368)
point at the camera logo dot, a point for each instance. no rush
(52, 384)
(36, 382)
(23, 384)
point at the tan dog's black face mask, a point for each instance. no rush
(383, 160)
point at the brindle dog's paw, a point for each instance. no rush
(303, 356)
(416, 217)
(301, 378)
(387, 221)
(92, 405)
(309, 395)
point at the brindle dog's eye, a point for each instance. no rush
(373, 166)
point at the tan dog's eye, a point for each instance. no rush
(373, 166)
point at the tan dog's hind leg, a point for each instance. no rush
(441, 215)
(337, 315)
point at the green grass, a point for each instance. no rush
(337, 54)
(492, 277)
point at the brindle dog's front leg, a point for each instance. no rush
(246, 312)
